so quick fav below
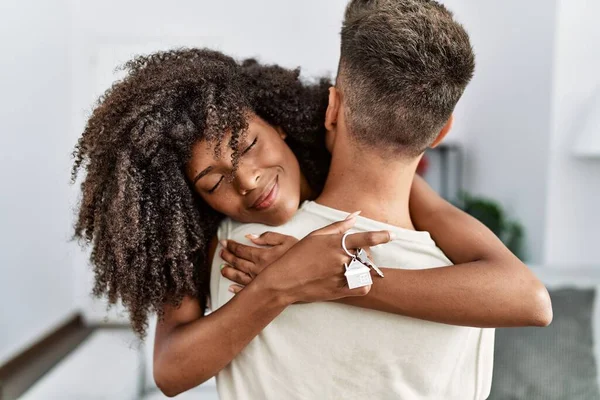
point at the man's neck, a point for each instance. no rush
(363, 181)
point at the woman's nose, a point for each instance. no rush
(247, 179)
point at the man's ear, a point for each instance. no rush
(331, 117)
(447, 127)
(333, 107)
(281, 133)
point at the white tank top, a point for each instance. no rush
(334, 351)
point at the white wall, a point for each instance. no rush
(573, 230)
(536, 79)
(36, 280)
(504, 116)
(107, 33)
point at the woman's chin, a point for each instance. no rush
(283, 213)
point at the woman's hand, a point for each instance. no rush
(246, 262)
(313, 269)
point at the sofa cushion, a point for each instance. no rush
(556, 362)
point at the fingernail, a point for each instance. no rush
(393, 236)
(354, 214)
(251, 236)
(223, 266)
(223, 243)
(231, 289)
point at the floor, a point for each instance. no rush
(21, 373)
(109, 364)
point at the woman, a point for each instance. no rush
(147, 222)
(150, 211)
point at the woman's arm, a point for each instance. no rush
(487, 287)
(191, 348)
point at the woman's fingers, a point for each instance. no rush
(235, 275)
(339, 227)
(269, 239)
(360, 291)
(319, 253)
(368, 239)
(235, 289)
(244, 266)
(240, 250)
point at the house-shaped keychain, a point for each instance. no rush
(357, 274)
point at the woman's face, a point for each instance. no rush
(266, 185)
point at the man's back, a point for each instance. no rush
(331, 351)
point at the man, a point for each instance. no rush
(404, 65)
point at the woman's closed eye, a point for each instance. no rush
(214, 188)
(251, 146)
(217, 185)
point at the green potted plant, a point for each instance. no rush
(492, 215)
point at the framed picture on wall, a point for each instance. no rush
(441, 167)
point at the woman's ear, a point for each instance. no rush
(281, 133)
(447, 127)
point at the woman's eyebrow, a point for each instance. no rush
(202, 174)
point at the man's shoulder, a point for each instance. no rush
(300, 225)
(229, 229)
(226, 227)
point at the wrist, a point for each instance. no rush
(268, 285)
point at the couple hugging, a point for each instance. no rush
(213, 183)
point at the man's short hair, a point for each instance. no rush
(404, 65)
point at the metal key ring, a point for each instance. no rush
(344, 245)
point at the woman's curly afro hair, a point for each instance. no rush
(148, 229)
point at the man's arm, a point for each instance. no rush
(488, 286)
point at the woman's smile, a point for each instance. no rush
(268, 196)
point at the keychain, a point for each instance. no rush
(358, 272)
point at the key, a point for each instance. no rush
(364, 258)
